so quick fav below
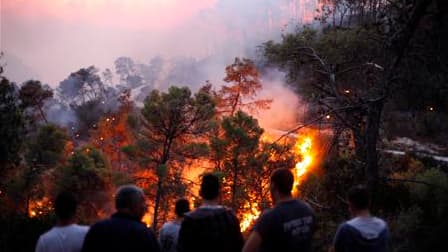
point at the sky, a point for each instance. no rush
(49, 39)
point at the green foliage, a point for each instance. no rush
(234, 154)
(11, 126)
(174, 126)
(46, 150)
(87, 175)
(33, 95)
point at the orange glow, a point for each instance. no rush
(248, 218)
(147, 219)
(306, 150)
(39, 207)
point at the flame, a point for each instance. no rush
(249, 217)
(147, 219)
(304, 149)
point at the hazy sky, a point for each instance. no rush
(49, 39)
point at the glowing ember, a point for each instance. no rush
(39, 207)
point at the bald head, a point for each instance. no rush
(131, 199)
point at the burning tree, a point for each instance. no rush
(234, 155)
(245, 84)
(172, 126)
(113, 133)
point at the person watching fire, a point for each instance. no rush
(363, 232)
(289, 226)
(66, 235)
(169, 233)
(124, 231)
(211, 227)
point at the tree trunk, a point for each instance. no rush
(156, 204)
(372, 132)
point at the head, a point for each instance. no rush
(130, 199)
(210, 187)
(65, 206)
(358, 199)
(282, 181)
(182, 207)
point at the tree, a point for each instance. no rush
(234, 154)
(82, 86)
(245, 84)
(350, 72)
(33, 95)
(45, 151)
(87, 175)
(113, 132)
(11, 126)
(173, 124)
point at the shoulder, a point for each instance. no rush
(81, 228)
(46, 236)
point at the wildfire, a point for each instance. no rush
(304, 149)
(39, 207)
(249, 217)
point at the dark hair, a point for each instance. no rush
(283, 180)
(359, 197)
(65, 205)
(128, 196)
(209, 186)
(182, 207)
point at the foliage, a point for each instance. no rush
(33, 95)
(11, 126)
(245, 84)
(234, 154)
(87, 175)
(170, 121)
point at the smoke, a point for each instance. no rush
(286, 108)
(55, 38)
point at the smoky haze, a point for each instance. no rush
(49, 39)
(190, 40)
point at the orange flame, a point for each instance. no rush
(147, 219)
(304, 149)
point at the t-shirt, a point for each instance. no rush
(369, 234)
(67, 238)
(210, 228)
(289, 226)
(168, 236)
(121, 232)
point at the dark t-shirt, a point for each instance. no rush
(213, 228)
(121, 232)
(289, 226)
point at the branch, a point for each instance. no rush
(313, 121)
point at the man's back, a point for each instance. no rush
(213, 228)
(120, 233)
(287, 227)
(369, 234)
(62, 238)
